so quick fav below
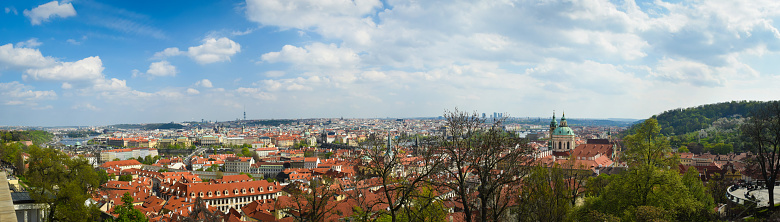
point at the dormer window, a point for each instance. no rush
(243, 191)
(252, 190)
(235, 191)
(270, 188)
(210, 193)
(200, 194)
(226, 193)
(260, 189)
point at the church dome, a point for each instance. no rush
(563, 131)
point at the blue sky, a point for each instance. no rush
(96, 63)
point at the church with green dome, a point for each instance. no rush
(561, 136)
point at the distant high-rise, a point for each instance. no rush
(483, 115)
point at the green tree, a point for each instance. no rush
(328, 155)
(423, 207)
(10, 152)
(62, 184)
(246, 152)
(127, 213)
(126, 177)
(651, 189)
(544, 195)
(19, 165)
(762, 132)
(102, 175)
(722, 148)
(648, 147)
(683, 149)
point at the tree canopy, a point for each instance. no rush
(63, 184)
(651, 189)
(126, 212)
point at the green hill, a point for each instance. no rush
(149, 126)
(36, 136)
(705, 128)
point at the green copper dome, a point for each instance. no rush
(563, 131)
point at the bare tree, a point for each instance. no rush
(762, 130)
(313, 201)
(400, 167)
(484, 165)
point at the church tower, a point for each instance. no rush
(553, 125)
(562, 136)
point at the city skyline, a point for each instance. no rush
(85, 62)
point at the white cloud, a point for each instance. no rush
(44, 12)
(256, 93)
(30, 43)
(212, 50)
(89, 68)
(15, 93)
(112, 84)
(316, 55)
(274, 73)
(700, 74)
(169, 52)
(204, 83)
(192, 91)
(304, 14)
(73, 41)
(21, 58)
(85, 106)
(11, 10)
(162, 68)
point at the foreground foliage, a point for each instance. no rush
(62, 184)
(651, 190)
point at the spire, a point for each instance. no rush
(389, 151)
(563, 120)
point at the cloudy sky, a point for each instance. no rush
(85, 62)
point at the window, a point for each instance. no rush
(260, 189)
(252, 190)
(270, 188)
(210, 193)
(226, 192)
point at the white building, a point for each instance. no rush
(239, 164)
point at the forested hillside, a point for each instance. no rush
(150, 126)
(706, 128)
(36, 136)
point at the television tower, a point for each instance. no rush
(244, 113)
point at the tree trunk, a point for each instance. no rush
(50, 217)
(466, 207)
(770, 187)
